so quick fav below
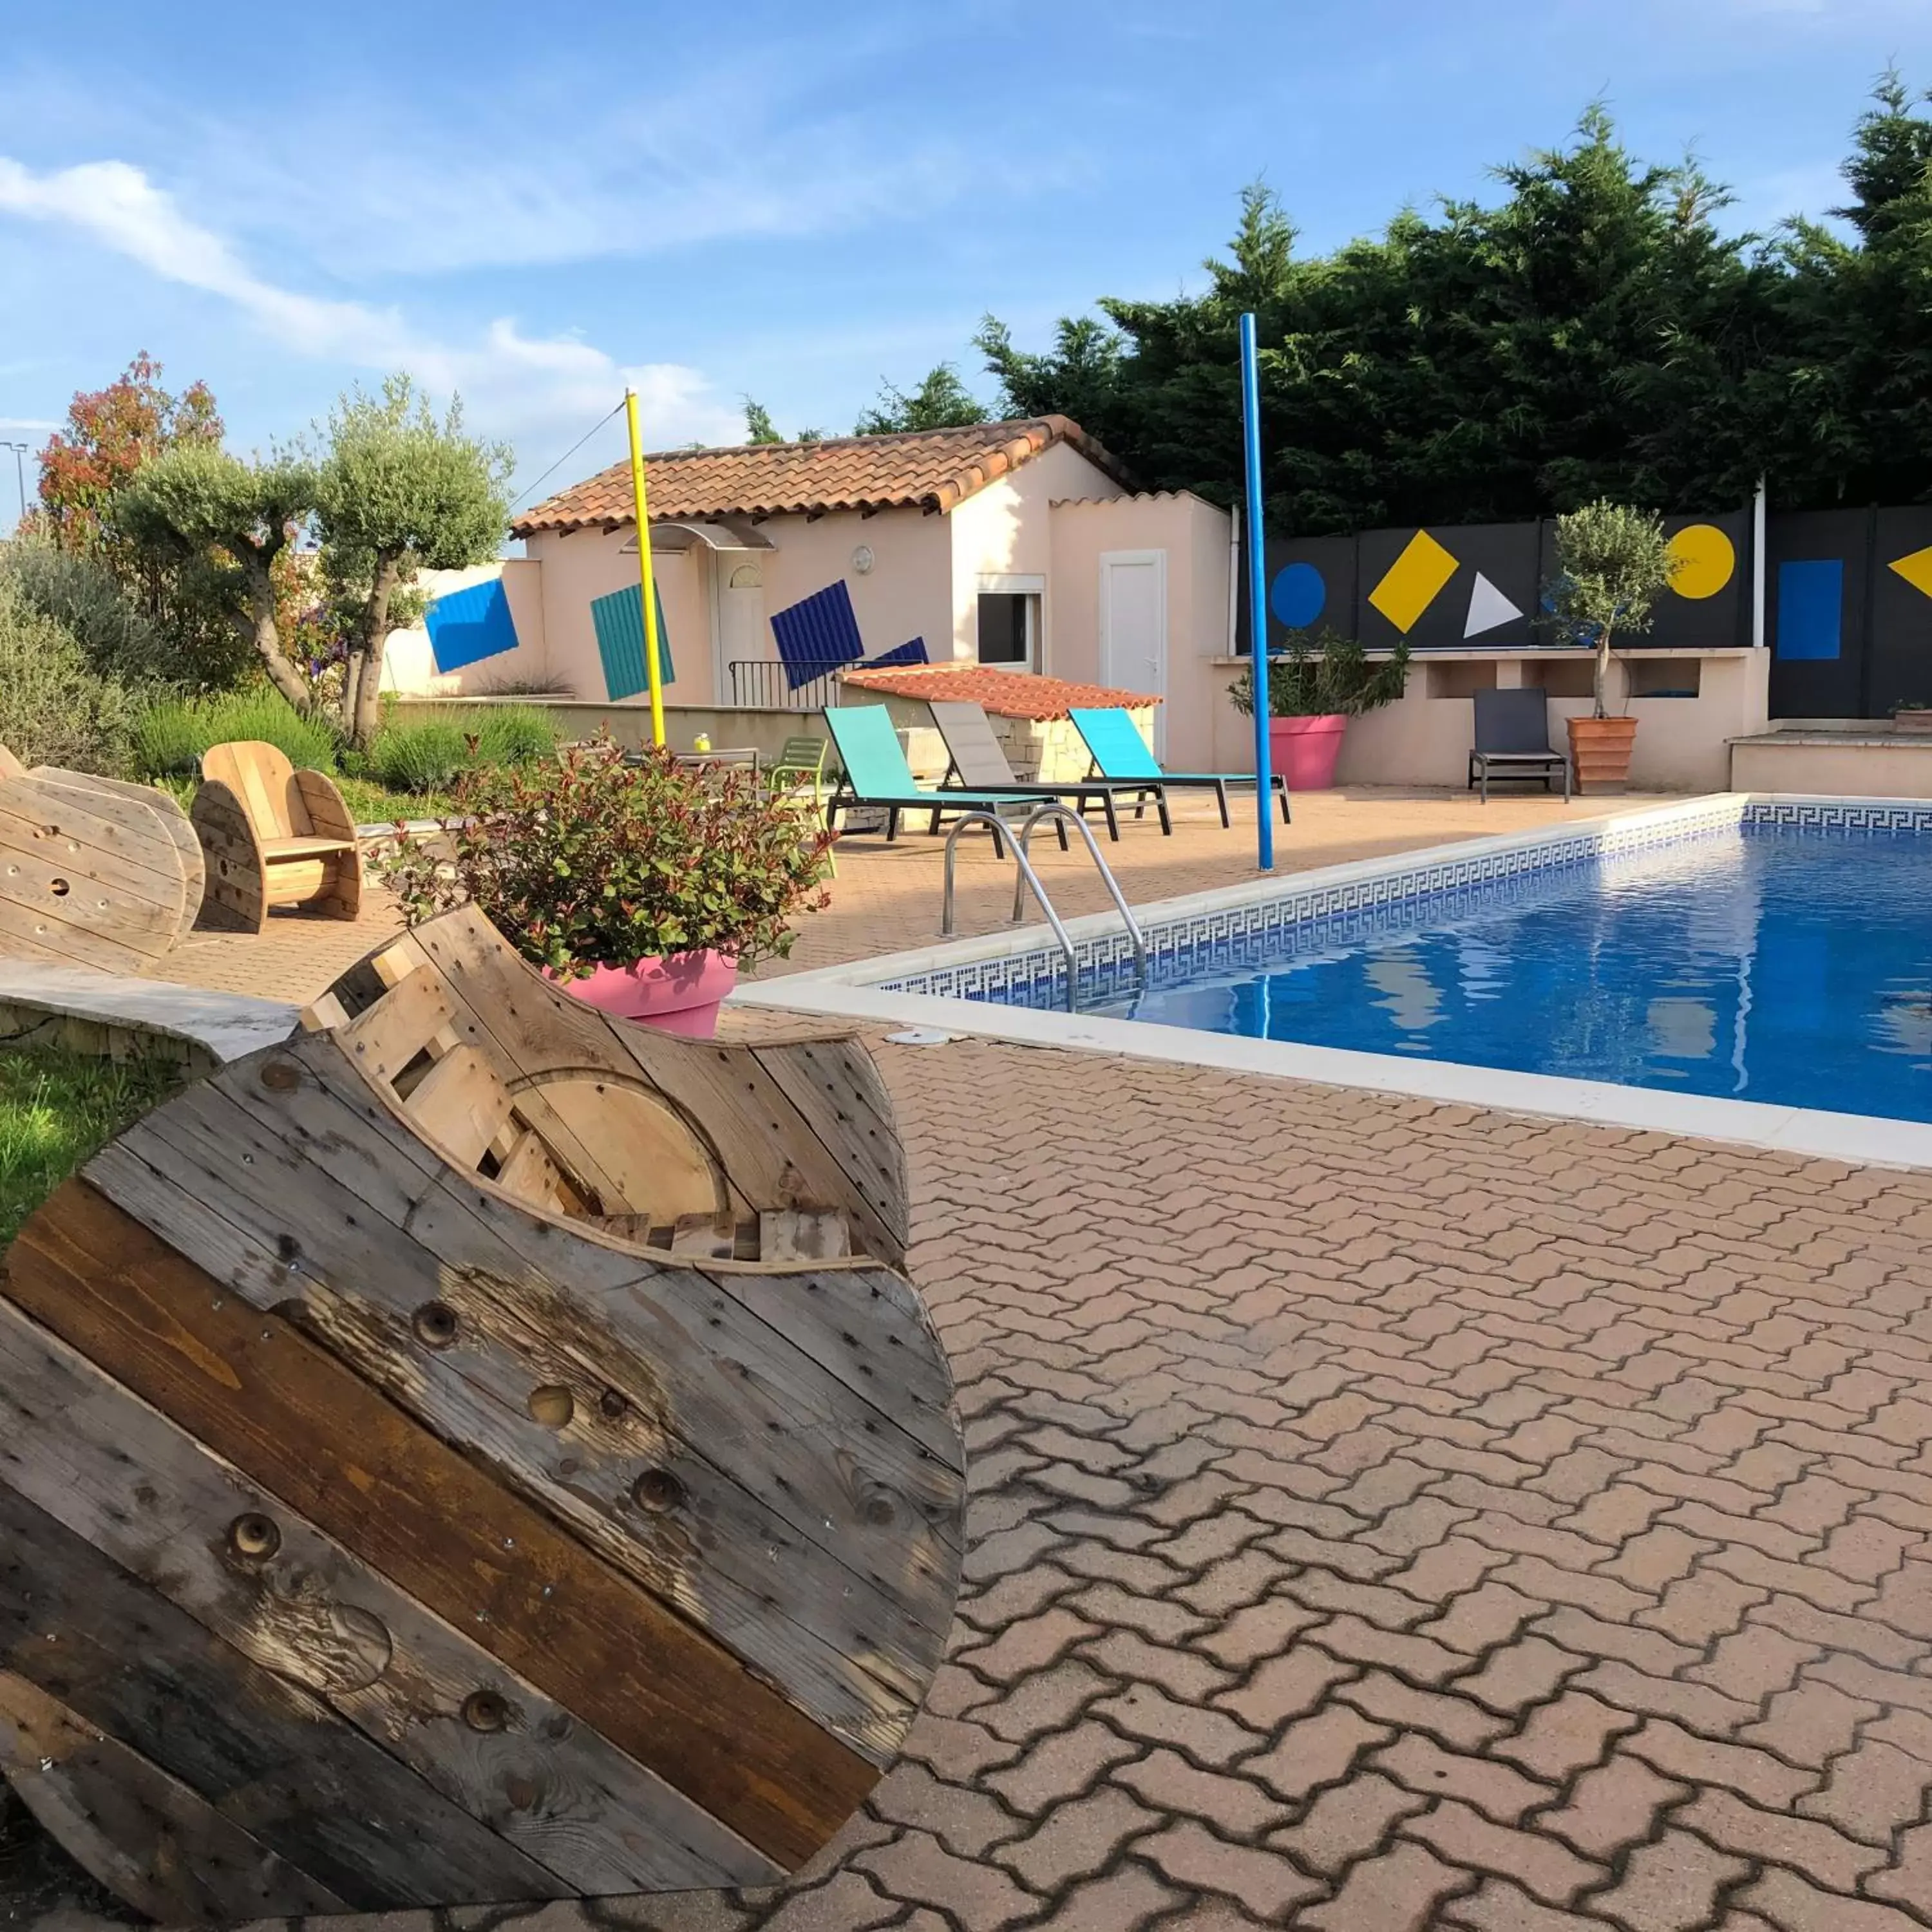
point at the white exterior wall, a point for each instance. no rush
(409, 665)
(1006, 530)
(1194, 535)
(577, 569)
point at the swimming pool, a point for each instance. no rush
(1751, 968)
(1781, 963)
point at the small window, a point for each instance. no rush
(1009, 628)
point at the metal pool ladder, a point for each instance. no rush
(1025, 877)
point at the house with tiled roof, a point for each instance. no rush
(1018, 544)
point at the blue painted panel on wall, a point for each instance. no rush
(913, 652)
(818, 634)
(620, 621)
(1811, 603)
(467, 626)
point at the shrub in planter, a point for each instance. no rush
(593, 868)
(171, 736)
(511, 734)
(1315, 686)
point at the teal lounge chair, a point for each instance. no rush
(1120, 753)
(876, 777)
(980, 763)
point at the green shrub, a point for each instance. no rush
(423, 755)
(55, 708)
(171, 736)
(511, 734)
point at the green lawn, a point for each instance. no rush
(369, 804)
(55, 1109)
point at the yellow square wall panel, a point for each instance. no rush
(1409, 585)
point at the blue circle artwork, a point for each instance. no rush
(1296, 595)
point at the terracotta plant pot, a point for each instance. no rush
(679, 994)
(1304, 750)
(1600, 751)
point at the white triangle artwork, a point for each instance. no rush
(1488, 608)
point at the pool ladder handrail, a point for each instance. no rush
(1024, 876)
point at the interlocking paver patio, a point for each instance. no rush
(1390, 1516)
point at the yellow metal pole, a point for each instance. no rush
(653, 669)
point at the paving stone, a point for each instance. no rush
(1500, 1792)
(1191, 1856)
(1167, 1781)
(1345, 1822)
(1558, 1739)
(1872, 1792)
(848, 1903)
(965, 1821)
(1077, 1839)
(1127, 1900)
(1397, 1890)
(1058, 1767)
(1757, 1775)
(1031, 1645)
(1211, 1738)
(1520, 1674)
(1814, 1847)
(1285, 1687)
(917, 1869)
(1458, 1723)
(1670, 1886)
(1315, 1751)
(1792, 1904)
(1809, 1724)
(956, 1749)
(1547, 1870)
(1040, 1703)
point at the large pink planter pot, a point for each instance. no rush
(680, 995)
(1304, 750)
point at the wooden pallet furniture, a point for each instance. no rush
(94, 872)
(477, 1451)
(273, 836)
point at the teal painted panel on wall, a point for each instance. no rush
(620, 621)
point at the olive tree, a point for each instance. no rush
(1613, 563)
(226, 520)
(396, 490)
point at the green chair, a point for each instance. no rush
(1119, 752)
(800, 769)
(876, 777)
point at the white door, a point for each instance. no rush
(741, 629)
(1133, 627)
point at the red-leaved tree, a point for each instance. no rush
(110, 433)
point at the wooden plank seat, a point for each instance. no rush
(478, 1451)
(273, 836)
(94, 872)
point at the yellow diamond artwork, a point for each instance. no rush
(1916, 569)
(1409, 585)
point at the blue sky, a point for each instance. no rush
(535, 205)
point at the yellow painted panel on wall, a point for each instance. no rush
(1705, 559)
(1916, 569)
(1410, 584)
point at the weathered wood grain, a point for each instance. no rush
(774, 1543)
(168, 1853)
(291, 1417)
(268, 1755)
(106, 792)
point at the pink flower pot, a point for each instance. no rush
(679, 994)
(1304, 750)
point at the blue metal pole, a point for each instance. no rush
(1251, 419)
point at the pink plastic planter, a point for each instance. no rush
(1304, 750)
(680, 995)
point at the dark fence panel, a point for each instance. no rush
(1817, 593)
(1899, 671)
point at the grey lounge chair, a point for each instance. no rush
(980, 763)
(1513, 740)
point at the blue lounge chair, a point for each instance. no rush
(1121, 754)
(876, 777)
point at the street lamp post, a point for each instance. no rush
(20, 450)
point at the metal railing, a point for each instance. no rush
(765, 683)
(1025, 877)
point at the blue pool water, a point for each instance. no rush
(1774, 964)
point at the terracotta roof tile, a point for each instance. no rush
(926, 470)
(1005, 694)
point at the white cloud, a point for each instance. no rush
(511, 383)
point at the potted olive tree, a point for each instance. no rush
(1613, 562)
(641, 888)
(1316, 684)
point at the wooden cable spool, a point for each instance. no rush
(478, 1451)
(94, 872)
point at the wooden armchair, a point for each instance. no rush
(272, 836)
